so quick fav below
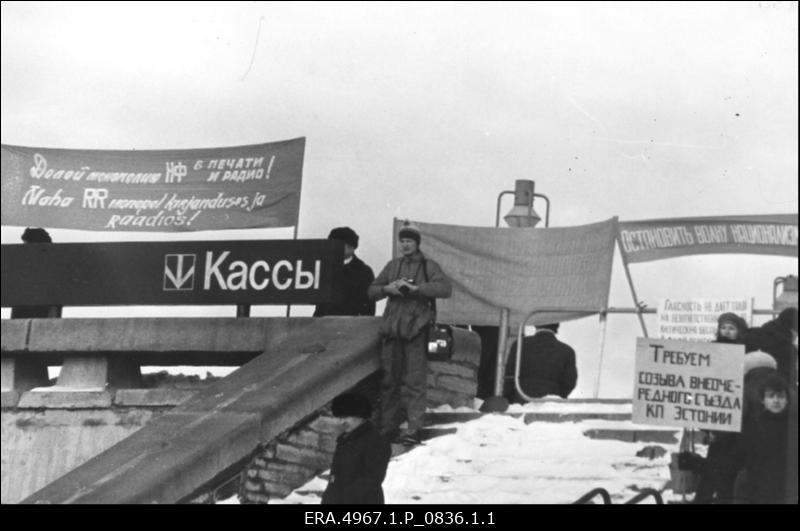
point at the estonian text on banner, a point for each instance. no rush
(521, 269)
(657, 239)
(154, 191)
(688, 384)
(696, 319)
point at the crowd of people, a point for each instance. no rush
(751, 466)
(759, 463)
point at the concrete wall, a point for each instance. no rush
(46, 434)
(303, 452)
(41, 445)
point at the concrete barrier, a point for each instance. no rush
(187, 447)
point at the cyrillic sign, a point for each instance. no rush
(211, 272)
(154, 191)
(657, 239)
(688, 384)
(696, 319)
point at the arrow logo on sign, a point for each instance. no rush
(178, 270)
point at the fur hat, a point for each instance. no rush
(409, 230)
(351, 405)
(788, 319)
(345, 234)
(735, 320)
(37, 235)
(759, 358)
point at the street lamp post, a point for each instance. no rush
(521, 215)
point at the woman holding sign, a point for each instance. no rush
(718, 473)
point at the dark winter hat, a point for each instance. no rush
(551, 326)
(345, 234)
(409, 230)
(788, 319)
(774, 382)
(351, 405)
(36, 235)
(735, 320)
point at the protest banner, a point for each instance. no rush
(658, 239)
(696, 319)
(688, 384)
(520, 269)
(155, 191)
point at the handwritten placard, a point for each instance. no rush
(688, 384)
(696, 319)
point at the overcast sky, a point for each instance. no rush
(428, 111)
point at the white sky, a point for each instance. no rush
(428, 111)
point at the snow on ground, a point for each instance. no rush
(499, 459)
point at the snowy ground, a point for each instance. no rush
(500, 459)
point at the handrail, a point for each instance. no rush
(644, 494)
(518, 356)
(591, 494)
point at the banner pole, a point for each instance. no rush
(630, 284)
(294, 237)
(604, 324)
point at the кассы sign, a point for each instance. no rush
(209, 272)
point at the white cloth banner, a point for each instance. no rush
(521, 269)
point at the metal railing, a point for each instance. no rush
(603, 493)
(646, 493)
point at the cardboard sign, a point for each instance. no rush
(688, 384)
(696, 319)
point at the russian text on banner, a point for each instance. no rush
(155, 191)
(658, 239)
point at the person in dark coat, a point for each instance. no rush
(719, 469)
(547, 366)
(764, 449)
(777, 338)
(356, 278)
(31, 236)
(361, 457)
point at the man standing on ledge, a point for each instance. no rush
(356, 279)
(412, 283)
(547, 366)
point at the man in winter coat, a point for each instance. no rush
(35, 235)
(547, 366)
(361, 457)
(765, 446)
(777, 338)
(412, 282)
(356, 278)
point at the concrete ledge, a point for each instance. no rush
(224, 341)
(638, 435)
(152, 397)
(572, 417)
(64, 400)
(13, 334)
(9, 399)
(181, 451)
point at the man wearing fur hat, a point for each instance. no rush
(361, 456)
(412, 282)
(32, 236)
(356, 278)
